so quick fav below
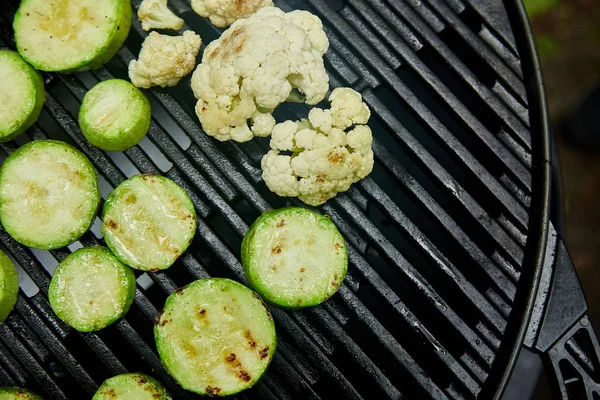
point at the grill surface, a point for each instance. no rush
(436, 234)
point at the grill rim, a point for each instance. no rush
(518, 324)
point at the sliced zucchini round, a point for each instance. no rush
(294, 257)
(70, 35)
(133, 386)
(91, 289)
(215, 336)
(15, 393)
(148, 221)
(114, 115)
(9, 286)
(49, 194)
(21, 95)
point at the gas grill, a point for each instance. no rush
(453, 263)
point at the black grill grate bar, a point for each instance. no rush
(453, 144)
(412, 275)
(111, 361)
(356, 352)
(486, 94)
(411, 59)
(387, 340)
(446, 267)
(11, 368)
(512, 76)
(55, 345)
(495, 231)
(24, 357)
(506, 287)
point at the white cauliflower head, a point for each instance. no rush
(164, 59)
(223, 13)
(328, 152)
(255, 66)
(154, 14)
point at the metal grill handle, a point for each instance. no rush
(560, 329)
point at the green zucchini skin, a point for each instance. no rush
(114, 115)
(17, 75)
(15, 393)
(9, 286)
(148, 221)
(294, 257)
(49, 194)
(215, 336)
(50, 33)
(132, 386)
(91, 289)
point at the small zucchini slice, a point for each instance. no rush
(70, 35)
(148, 221)
(21, 95)
(133, 386)
(48, 194)
(294, 257)
(15, 393)
(114, 115)
(91, 289)
(9, 286)
(215, 336)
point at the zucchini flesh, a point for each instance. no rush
(48, 194)
(215, 336)
(294, 257)
(15, 393)
(114, 115)
(91, 289)
(133, 386)
(21, 95)
(148, 221)
(70, 35)
(9, 286)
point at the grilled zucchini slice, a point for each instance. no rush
(15, 393)
(91, 289)
(148, 221)
(9, 286)
(215, 336)
(70, 35)
(49, 194)
(114, 115)
(21, 95)
(294, 257)
(133, 386)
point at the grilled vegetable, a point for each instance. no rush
(215, 336)
(21, 95)
(223, 13)
(330, 151)
(154, 14)
(294, 257)
(48, 194)
(134, 386)
(15, 393)
(254, 66)
(164, 59)
(148, 222)
(70, 35)
(114, 115)
(91, 289)
(9, 286)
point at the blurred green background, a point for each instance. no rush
(567, 34)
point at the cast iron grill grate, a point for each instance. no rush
(436, 235)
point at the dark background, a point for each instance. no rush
(567, 35)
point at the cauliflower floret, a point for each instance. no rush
(255, 66)
(164, 59)
(154, 14)
(330, 151)
(223, 13)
